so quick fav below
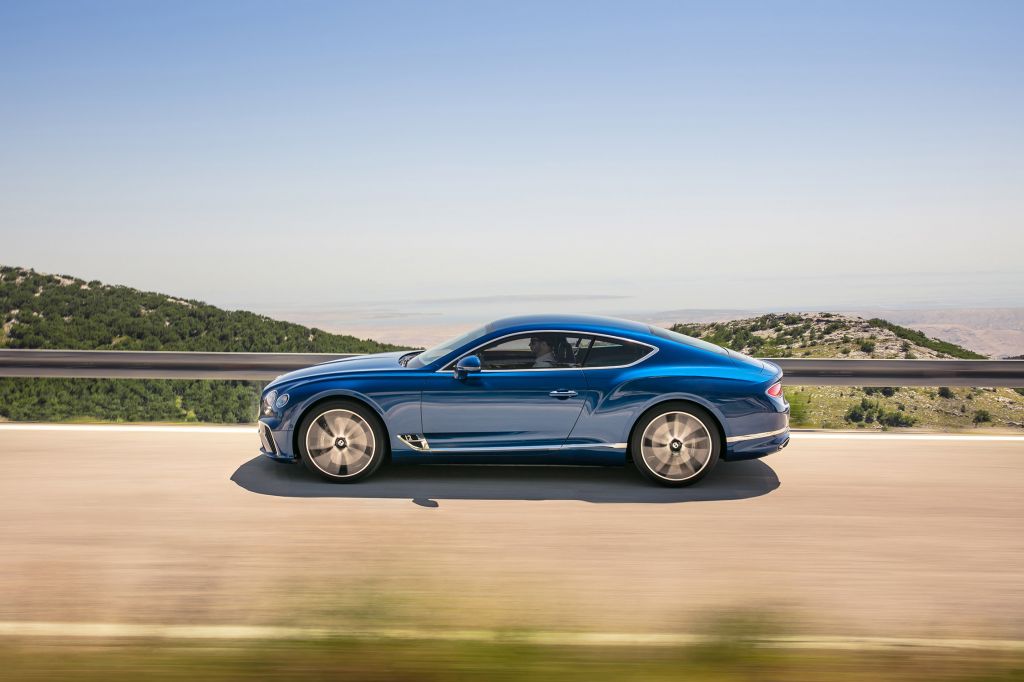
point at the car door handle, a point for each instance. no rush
(562, 394)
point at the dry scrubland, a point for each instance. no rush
(981, 410)
(829, 335)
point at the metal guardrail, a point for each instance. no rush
(265, 366)
(839, 372)
(128, 364)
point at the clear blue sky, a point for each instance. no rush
(720, 154)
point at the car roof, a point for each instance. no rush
(570, 321)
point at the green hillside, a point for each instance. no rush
(56, 311)
(62, 312)
(824, 335)
(830, 335)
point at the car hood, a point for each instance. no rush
(359, 363)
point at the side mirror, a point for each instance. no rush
(466, 366)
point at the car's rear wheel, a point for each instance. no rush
(341, 441)
(676, 444)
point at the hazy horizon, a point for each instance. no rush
(994, 331)
(991, 330)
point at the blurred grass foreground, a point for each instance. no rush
(721, 657)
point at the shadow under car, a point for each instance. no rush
(424, 484)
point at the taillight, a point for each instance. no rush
(775, 390)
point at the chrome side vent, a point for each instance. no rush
(415, 441)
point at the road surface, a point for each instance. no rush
(852, 535)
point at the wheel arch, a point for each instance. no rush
(348, 397)
(716, 420)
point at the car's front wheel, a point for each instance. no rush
(341, 441)
(675, 444)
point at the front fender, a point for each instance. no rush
(394, 400)
(292, 421)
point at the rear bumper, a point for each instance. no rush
(758, 446)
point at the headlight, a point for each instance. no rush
(268, 403)
(281, 401)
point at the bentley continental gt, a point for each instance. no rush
(540, 389)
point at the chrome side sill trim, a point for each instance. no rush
(524, 448)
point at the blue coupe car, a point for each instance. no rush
(538, 389)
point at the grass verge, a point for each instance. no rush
(723, 658)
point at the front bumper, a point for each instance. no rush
(275, 444)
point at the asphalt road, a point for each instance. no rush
(849, 536)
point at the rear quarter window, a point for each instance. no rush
(614, 353)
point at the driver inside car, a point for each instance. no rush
(543, 352)
(551, 350)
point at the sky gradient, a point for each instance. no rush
(655, 155)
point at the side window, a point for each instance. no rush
(537, 350)
(613, 353)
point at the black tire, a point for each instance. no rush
(347, 439)
(675, 444)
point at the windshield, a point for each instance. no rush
(442, 349)
(687, 340)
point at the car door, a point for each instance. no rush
(522, 398)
